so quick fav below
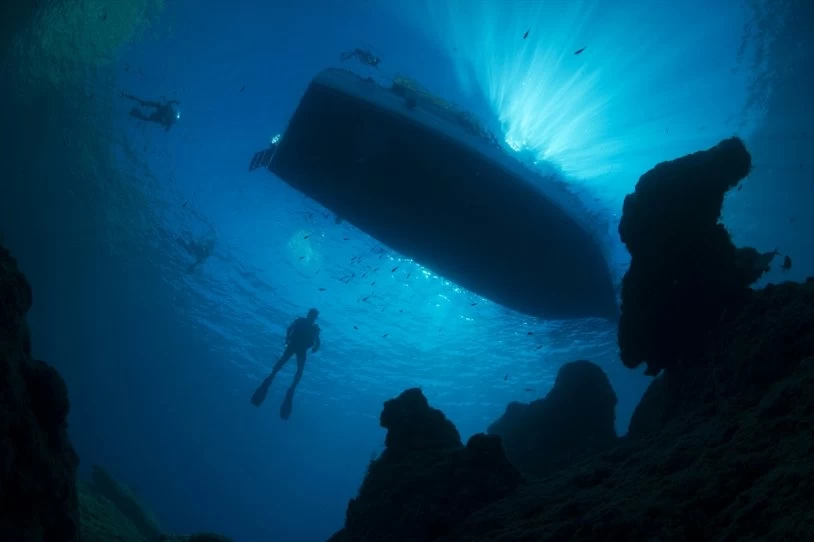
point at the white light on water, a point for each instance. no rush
(654, 80)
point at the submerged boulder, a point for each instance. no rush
(685, 273)
(730, 460)
(38, 499)
(426, 482)
(575, 419)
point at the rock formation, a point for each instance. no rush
(425, 483)
(38, 500)
(685, 273)
(576, 418)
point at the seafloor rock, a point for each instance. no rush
(575, 419)
(38, 499)
(759, 345)
(109, 511)
(425, 483)
(102, 521)
(685, 273)
(126, 502)
(732, 461)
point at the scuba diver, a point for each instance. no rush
(165, 114)
(201, 250)
(302, 334)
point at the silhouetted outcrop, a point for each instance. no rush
(685, 273)
(763, 343)
(38, 500)
(425, 484)
(728, 458)
(575, 419)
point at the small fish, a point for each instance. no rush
(539, 346)
(242, 87)
(301, 258)
(740, 187)
(530, 333)
(529, 389)
(786, 264)
(408, 274)
(307, 236)
(346, 238)
(579, 51)
(394, 269)
(505, 378)
(365, 298)
(373, 283)
(527, 33)
(472, 304)
(792, 220)
(322, 289)
(184, 205)
(385, 335)
(354, 327)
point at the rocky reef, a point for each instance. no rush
(685, 272)
(38, 499)
(425, 483)
(575, 419)
(720, 446)
(109, 511)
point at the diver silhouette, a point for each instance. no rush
(200, 250)
(165, 114)
(301, 335)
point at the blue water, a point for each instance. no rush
(161, 362)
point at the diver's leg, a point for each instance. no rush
(300, 369)
(289, 351)
(285, 408)
(262, 390)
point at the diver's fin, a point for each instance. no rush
(285, 408)
(261, 392)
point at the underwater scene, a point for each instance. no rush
(425, 271)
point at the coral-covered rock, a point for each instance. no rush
(685, 273)
(727, 458)
(38, 499)
(575, 419)
(110, 511)
(102, 521)
(126, 502)
(425, 483)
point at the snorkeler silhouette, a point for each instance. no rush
(302, 334)
(165, 114)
